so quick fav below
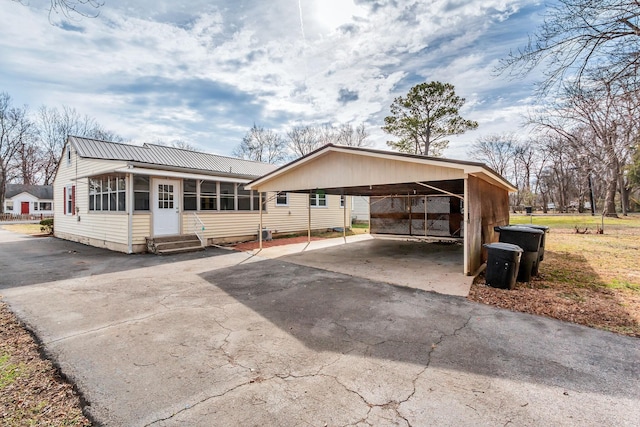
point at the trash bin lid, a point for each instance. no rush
(539, 227)
(503, 247)
(519, 229)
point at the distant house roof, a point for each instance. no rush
(42, 192)
(159, 155)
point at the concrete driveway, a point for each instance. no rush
(222, 338)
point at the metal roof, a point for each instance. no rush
(161, 155)
(42, 192)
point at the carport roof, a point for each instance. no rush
(348, 170)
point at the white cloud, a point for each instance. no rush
(135, 67)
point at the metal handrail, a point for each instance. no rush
(198, 228)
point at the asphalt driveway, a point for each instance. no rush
(223, 338)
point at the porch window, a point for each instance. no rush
(140, 193)
(208, 191)
(46, 206)
(256, 201)
(318, 198)
(227, 196)
(190, 194)
(244, 199)
(9, 205)
(107, 193)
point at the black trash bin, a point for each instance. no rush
(528, 210)
(503, 260)
(544, 237)
(529, 240)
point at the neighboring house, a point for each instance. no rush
(360, 209)
(36, 200)
(116, 195)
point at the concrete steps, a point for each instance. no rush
(167, 245)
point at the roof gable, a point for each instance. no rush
(160, 155)
(356, 166)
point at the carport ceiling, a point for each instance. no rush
(455, 186)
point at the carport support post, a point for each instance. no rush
(260, 227)
(467, 222)
(344, 217)
(129, 203)
(309, 217)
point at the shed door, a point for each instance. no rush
(24, 208)
(166, 207)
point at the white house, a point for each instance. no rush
(360, 209)
(35, 200)
(117, 196)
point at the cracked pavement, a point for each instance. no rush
(222, 338)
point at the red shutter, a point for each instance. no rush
(64, 199)
(73, 200)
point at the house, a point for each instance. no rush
(118, 196)
(35, 200)
(360, 209)
(410, 195)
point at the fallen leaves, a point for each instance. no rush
(31, 389)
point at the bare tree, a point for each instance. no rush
(70, 8)
(606, 115)
(303, 140)
(262, 145)
(54, 126)
(15, 130)
(353, 137)
(580, 39)
(496, 150)
(29, 160)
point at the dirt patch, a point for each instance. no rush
(31, 389)
(592, 280)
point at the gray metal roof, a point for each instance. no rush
(161, 155)
(42, 192)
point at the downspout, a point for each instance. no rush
(130, 213)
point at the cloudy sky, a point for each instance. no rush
(206, 71)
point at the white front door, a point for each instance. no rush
(166, 207)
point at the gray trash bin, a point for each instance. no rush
(503, 261)
(529, 240)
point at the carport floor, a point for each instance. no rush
(429, 266)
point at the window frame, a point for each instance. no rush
(286, 196)
(112, 193)
(319, 197)
(146, 192)
(70, 199)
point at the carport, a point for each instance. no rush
(407, 193)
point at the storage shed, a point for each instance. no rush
(410, 195)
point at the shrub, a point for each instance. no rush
(46, 225)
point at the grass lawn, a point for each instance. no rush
(591, 279)
(33, 229)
